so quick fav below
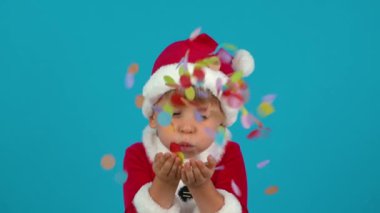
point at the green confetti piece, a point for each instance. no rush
(229, 46)
(190, 93)
(168, 108)
(169, 80)
(236, 76)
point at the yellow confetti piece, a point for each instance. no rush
(265, 109)
(236, 76)
(181, 156)
(244, 110)
(168, 108)
(190, 93)
(108, 162)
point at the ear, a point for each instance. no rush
(153, 121)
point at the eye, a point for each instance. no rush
(204, 117)
(176, 113)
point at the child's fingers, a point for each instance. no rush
(198, 177)
(167, 166)
(189, 173)
(174, 169)
(211, 162)
(183, 175)
(203, 169)
(157, 160)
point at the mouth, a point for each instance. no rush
(186, 147)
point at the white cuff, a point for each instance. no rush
(144, 203)
(231, 203)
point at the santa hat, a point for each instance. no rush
(197, 49)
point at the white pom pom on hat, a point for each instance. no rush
(243, 61)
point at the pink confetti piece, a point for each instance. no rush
(210, 132)
(219, 85)
(263, 164)
(269, 98)
(195, 33)
(247, 120)
(234, 102)
(224, 56)
(235, 188)
(219, 168)
(129, 80)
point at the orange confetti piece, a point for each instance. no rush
(271, 190)
(108, 162)
(139, 101)
(133, 68)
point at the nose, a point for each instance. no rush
(186, 127)
(186, 124)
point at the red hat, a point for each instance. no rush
(196, 49)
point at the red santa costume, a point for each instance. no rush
(229, 177)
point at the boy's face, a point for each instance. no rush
(189, 124)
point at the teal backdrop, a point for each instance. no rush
(64, 104)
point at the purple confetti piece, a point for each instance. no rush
(198, 116)
(157, 109)
(121, 177)
(224, 56)
(129, 80)
(263, 164)
(219, 85)
(235, 188)
(195, 33)
(269, 98)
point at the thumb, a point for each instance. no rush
(211, 162)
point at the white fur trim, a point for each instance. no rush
(155, 87)
(243, 61)
(231, 203)
(145, 204)
(153, 145)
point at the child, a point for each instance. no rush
(205, 171)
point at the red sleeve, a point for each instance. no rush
(139, 172)
(233, 170)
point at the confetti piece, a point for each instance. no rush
(157, 109)
(224, 56)
(236, 76)
(169, 80)
(235, 188)
(199, 74)
(271, 190)
(220, 136)
(219, 168)
(190, 93)
(263, 164)
(175, 147)
(254, 134)
(195, 33)
(133, 68)
(121, 177)
(219, 85)
(139, 101)
(229, 46)
(176, 99)
(234, 102)
(164, 118)
(202, 94)
(198, 116)
(260, 132)
(168, 108)
(247, 120)
(269, 98)
(210, 132)
(129, 80)
(185, 81)
(108, 162)
(265, 109)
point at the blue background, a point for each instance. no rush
(64, 104)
